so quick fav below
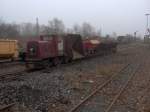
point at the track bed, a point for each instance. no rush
(60, 89)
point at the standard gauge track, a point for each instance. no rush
(107, 93)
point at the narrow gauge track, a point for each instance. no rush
(17, 74)
(3, 61)
(76, 61)
(109, 92)
(6, 108)
(128, 47)
(8, 76)
(11, 75)
(10, 64)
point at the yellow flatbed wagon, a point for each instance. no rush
(9, 49)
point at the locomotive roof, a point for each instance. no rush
(39, 41)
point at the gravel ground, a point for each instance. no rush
(59, 89)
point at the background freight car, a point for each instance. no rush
(9, 49)
(97, 46)
(125, 39)
(90, 46)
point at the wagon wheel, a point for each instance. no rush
(12, 59)
(65, 60)
(27, 66)
(46, 64)
(56, 61)
(70, 60)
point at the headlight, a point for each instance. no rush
(31, 49)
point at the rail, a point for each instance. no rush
(101, 86)
(11, 75)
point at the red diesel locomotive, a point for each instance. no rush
(56, 49)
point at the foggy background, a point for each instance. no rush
(120, 16)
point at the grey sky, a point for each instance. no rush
(120, 16)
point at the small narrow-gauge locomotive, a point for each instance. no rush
(55, 49)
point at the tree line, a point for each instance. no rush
(54, 26)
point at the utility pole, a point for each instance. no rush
(135, 33)
(37, 27)
(147, 24)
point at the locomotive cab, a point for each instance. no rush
(32, 49)
(36, 52)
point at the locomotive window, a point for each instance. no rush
(46, 38)
(33, 49)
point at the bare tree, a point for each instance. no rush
(114, 35)
(55, 26)
(77, 29)
(28, 29)
(8, 30)
(99, 33)
(69, 30)
(87, 30)
(44, 29)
